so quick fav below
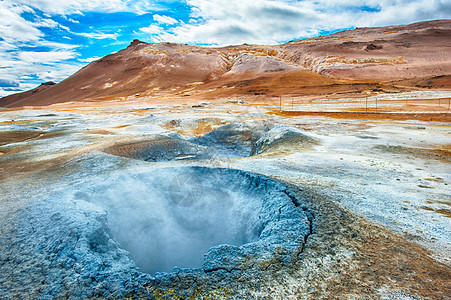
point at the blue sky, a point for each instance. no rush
(48, 40)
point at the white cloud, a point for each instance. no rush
(45, 57)
(98, 35)
(79, 6)
(55, 45)
(164, 19)
(159, 31)
(152, 29)
(56, 63)
(14, 28)
(16, 64)
(222, 22)
(73, 21)
(89, 59)
(47, 23)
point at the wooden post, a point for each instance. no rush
(291, 103)
(366, 104)
(280, 102)
(376, 104)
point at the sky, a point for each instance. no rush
(48, 40)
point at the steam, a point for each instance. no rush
(171, 217)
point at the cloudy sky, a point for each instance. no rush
(48, 40)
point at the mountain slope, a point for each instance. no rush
(352, 60)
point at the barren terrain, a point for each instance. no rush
(269, 172)
(376, 191)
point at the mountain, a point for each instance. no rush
(355, 61)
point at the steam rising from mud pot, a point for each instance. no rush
(171, 217)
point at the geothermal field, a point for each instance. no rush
(316, 169)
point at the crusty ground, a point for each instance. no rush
(381, 258)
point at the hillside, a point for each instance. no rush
(362, 60)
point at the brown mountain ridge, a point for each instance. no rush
(414, 56)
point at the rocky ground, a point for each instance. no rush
(101, 200)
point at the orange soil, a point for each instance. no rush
(438, 117)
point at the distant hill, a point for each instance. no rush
(355, 60)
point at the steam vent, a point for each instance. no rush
(206, 222)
